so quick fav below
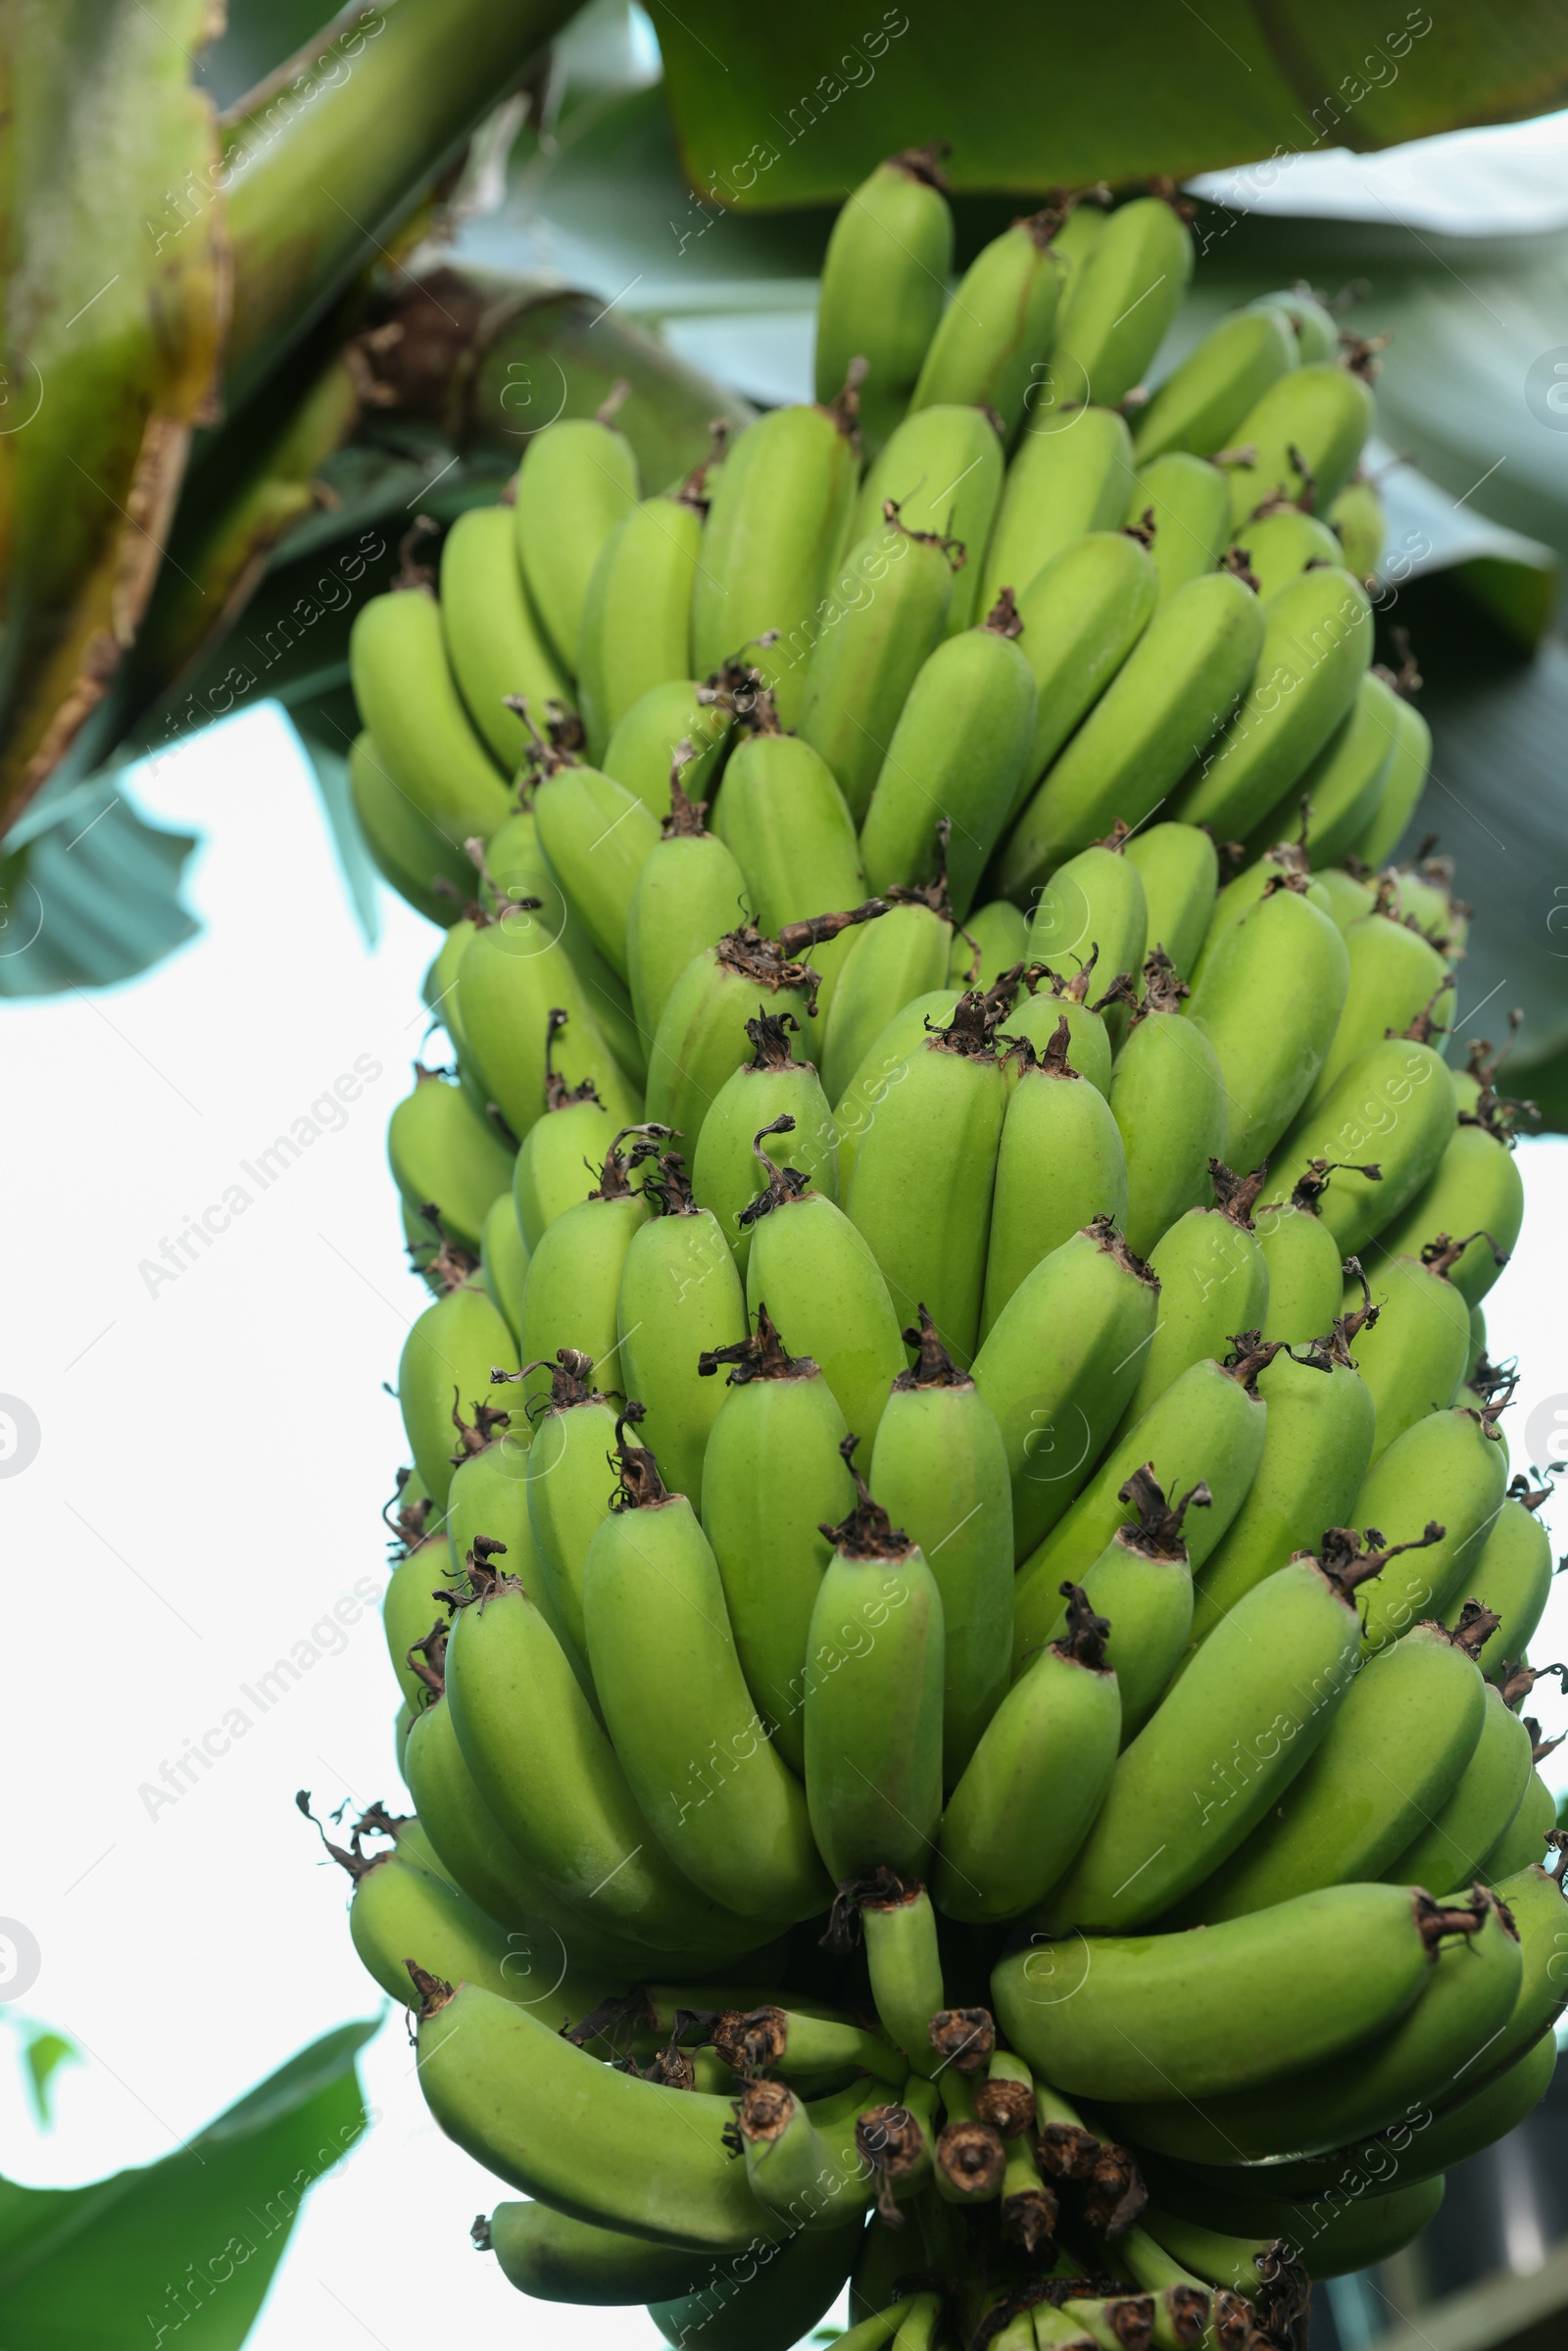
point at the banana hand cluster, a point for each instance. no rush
(958, 1608)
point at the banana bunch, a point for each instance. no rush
(951, 1437)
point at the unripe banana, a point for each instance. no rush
(518, 876)
(943, 470)
(597, 837)
(1338, 794)
(884, 280)
(1317, 1446)
(1422, 894)
(1220, 1751)
(784, 821)
(554, 2259)
(514, 980)
(999, 326)
(1305, 1283)
(1299, 1983)
(553, 1168)
(1202, 401)
(1396, 977)
(1094, 902)
(771, 1476)
(442, 1152)
(1058, 1368)
(941, 1469)
(716, 1793)
(1210, 1426)
(873, 1698)
(1268, 998)
(1300, 439)
(1267, 2231)
(1316, 335)
(407, 849)
(1083, 613)
(644, 747)
(1512, 1578)
(1452, 1464)
(1187, 504)
(779, 520)
(1167, 1100)
(1175, 690)
(504, 1261)
(566, 1491)
(1241, 894)
(410, 1604)
(919, 1190)
(1070, 475)
(409, 703)
(1317, 642)
(680, 1297)
(1460, 1832)
(1396, 1099)
(991, 942)
(1059, 1164)
(887, 965)
(1213, 1282)
(1141, 1586)
(446, 1361)
(1359, 523)
(1119, 304)
(688, 891)
(1521, 1842)
(637, 612)
(727, 1175)
(578, 478)
(398, 1910)
(818, 1279)
(1534, 1896)
(1280, 542)
(898, 586)
(492, 633)
(1412, 1360)
(1348, 899)
(1475, 1189)
(904, 1963)
(958, 752)
(1038, 1014)
(1402, 787)
(886, 1065)
(756, 2309)
(568, 1299)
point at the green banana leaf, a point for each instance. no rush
(89, 891)
(191, 2241)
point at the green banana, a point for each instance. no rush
(559, 1153)
(596, 836)
(1512, 1576)
(1436, 2050)
(784, 821)
(1225, 2007)
(884, 280)
(1281, 542)
(887, 965)
(1285, 860)
(1396, 978)
(1083, 613)
(1167, 1100)
(518, 876)
(1454, 1462)
(504, 1261)
(1314, 1458)
(997, 327)
(903, 1959)
(398, 1910)
(958, 752)
(1413, 1358)
(1462, 1830)
(447, 1358)
(1214, 1283)
(568, 1299)
(1317, 642)
(898, 589)
(1120, 303)
(492, 633)
(1316, 335)
(1476, 1189)
(565, 1484)
(778, 518)
(1339, 790)
(873, 1698)
(1268, 998)
(635, 633)
(1037, 1014)
(943, 470)
(688, 891)
(1306, 1279)
(1186, 504)
(1220, 1751)
(1396, 1749)
(820, 1282)
(1300, 439)
(1348, 899)
(941, 1471)
(808, 2168)
(441, 1151)
(1202, 402)
(763, 2310)
(1170, 697)
(1522, 1841)
(1094, 902)
(727, 1175)
(722, 1804)
(408, 700)
(680, 1297)
(771, 1476)
(578, 478)
(1356, 2238)
(1058, 1366)
(991, 942)
(487, 1515)
(919, 1190)
(1209, 1425)
(1070, 475)
(423, 862)
(638, 2157)
(1403, 786)
(515, 978)
(1359, 521)
(1398, 1098)
(545, 2254)
(408, 1603)
(642, 750)
(1060, 1163)
(1142, 1583)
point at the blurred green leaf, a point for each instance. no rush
(42, 2054)
(89, 892)
(257, 36)
(326, 724)
(189, 2244)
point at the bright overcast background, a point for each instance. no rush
(212, 1463)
